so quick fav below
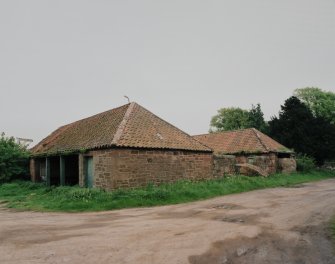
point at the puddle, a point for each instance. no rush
(228, 206)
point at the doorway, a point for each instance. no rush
(89, 172)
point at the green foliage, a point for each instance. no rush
(229, 119)
(256, 119)
(13, 159)
(234, 118)
(297, 128)
(32, 196)
(305, 163)
(321, 103)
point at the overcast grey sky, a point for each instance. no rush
(65, 60)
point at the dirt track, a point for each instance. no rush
(282, 225)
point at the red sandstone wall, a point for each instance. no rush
(126, 168)
(287, 165)
(225, 164)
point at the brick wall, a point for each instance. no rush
(127, 168)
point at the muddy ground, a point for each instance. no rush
(281, 225)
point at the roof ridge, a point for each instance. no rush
(224, 132)
(259, 139)
(95, 115)
(123, 123)
(188, 135)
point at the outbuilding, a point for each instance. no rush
(121, 148)
(248, 151)
(129, 147)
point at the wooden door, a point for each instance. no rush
(89, 172)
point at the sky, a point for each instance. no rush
(61, 61)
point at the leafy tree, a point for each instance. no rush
(256, 118)
(297, 128)
(13, 159)
(323, 137)
(321, 103)
(236, 118)
(230, 119)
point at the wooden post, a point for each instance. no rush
(81, 170)
(47, 171)
(32, 170)
(62, 170)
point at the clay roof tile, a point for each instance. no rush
(245, 140)
(130, 125)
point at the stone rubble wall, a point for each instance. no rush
(131, 168)
(224, 165)
(287, 165)
(126, 168)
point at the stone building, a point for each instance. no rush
(124, 147)
(130, 147)
(247, 151)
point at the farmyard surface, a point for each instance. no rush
(281, 225)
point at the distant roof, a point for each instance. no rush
(245, 140)
(130, 125)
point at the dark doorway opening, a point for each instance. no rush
(54, 171)
(40, 169)
(284, 155)
(71, 170)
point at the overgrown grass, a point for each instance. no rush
(32, 196)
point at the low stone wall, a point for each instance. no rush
(127, 168)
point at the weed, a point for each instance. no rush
(35, 196)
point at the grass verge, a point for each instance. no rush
(32, 196)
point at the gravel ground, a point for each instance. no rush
(280, 225)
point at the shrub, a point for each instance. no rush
(14, 159)
(305, 163)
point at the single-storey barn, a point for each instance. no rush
(130, 147)
(247, 151)
(121, 148)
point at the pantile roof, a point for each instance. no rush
(130, 125)
(241, 141)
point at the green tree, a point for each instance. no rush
(229, 119)
(321, 103)
(256, 118)
(236, 118)
(297, 128)
(13, 159)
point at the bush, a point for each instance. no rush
(14, 159)
(305, 163)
